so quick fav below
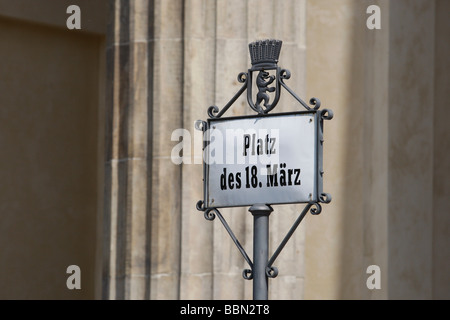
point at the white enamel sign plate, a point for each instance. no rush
(270, 160)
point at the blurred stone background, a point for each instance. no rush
(86, 118)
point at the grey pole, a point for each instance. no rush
(260, 214)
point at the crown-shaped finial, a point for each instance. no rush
(265, 53)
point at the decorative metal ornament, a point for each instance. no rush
(268, 79)
(264, 56)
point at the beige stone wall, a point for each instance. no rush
(53, 13)
(49, 102)
(90, 182)
(51, 127)
(385, 151)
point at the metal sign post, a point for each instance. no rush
(260, 214)
(263, 160)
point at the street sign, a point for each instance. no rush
(272, 160)
(264, 159)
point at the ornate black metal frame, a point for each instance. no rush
(214, 112)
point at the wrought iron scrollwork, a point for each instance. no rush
(327, 114)
(200, 125)
(317, 209)
(285, 74)
(264, 55)
(269, 82)
(247, 274)
(214, 112)
(325, 197)
(210, 214)
(272, 272)
(242, 77)
(314, 102)
(200, 205)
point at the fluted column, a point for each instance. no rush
(382, 146)
(142, 186)
(198, 93)
(168, 61)
(216, 51)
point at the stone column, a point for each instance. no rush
(216, 51)
(198, 94)
(411, 146)
(375, 149)
(168, 61)
(127, 163)
(230, 59)
(382, 145)
(142, 186)
(166, 47)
